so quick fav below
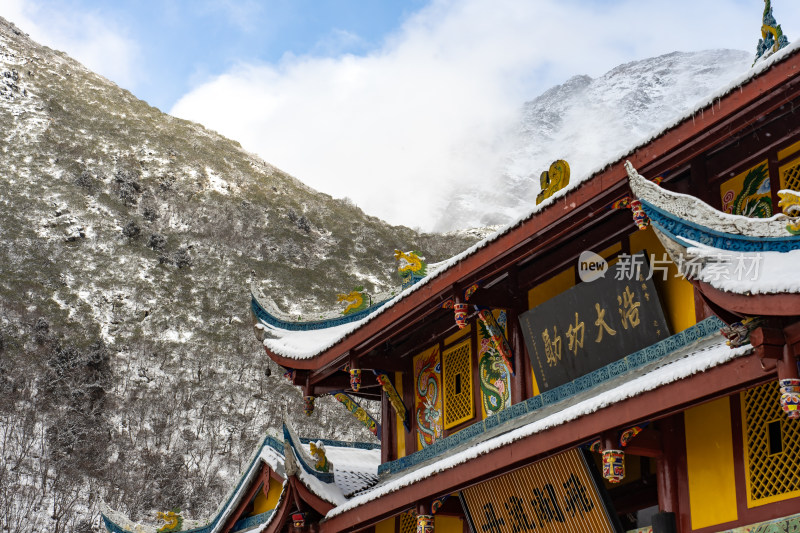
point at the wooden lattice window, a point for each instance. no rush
(457, 378)
(771, 447)
(408, 522)
(790, 175)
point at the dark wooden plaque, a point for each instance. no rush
(591, 325)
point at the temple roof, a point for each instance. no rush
(736, 232)
(301, 346)
(730, 253)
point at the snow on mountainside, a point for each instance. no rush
(128, 238)
(589, 121)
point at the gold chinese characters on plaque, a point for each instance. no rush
(557, 495)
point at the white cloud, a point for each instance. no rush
(395, 128)
(97, 42)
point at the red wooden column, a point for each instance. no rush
(667, 468)
(388, 430)
(520, 390)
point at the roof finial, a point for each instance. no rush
(772, 37)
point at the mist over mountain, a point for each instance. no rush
(128, 239)
(588, 121)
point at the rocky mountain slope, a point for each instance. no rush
(589, 121)
(128, 240)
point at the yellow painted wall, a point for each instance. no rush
(709, 460)
(387, 526)
(457, 335)
(447, 524)
(262, 504)
(401, 429)
(552, 287)
(676, 294)
(789, 150)
(614, 248)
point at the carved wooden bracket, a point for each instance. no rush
(778, 349)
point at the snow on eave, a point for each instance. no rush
(266, 455)
(775, 273)
(715, 355)
(327, 492)
(695, 211)
(339, 335)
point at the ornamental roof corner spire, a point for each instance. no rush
(772, 37)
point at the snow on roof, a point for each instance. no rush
(696, 211)
(266, 455)
(746, 272)
(308, 344)
(354, 459)
(353, 469)
(330, 492)
(701, 356)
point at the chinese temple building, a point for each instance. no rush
(624, 358)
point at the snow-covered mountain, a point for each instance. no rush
(589, 121)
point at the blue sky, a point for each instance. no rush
(177, 44)
(362, 98)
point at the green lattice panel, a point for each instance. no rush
(770, 476)
(457, 378)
